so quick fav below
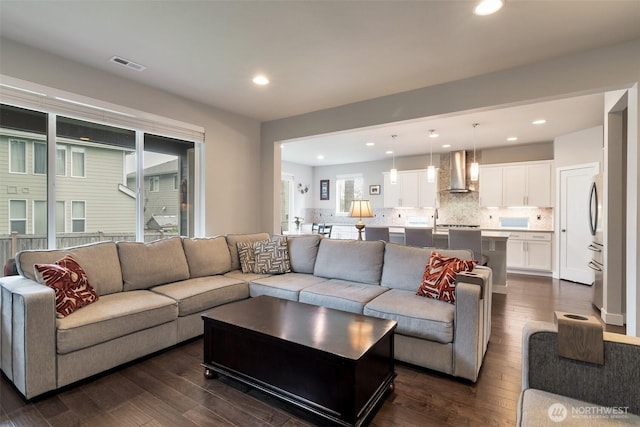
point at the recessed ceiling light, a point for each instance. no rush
(539, 122)
(261, 80)
(512, 138)
(370, 144)
(488, 7)
(388, 152)
(320, 157)
(446, 146)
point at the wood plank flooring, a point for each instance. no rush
(169, 389)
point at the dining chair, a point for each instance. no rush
(470, 240)
(376, 233)
(422, 237)
(314, 227)
(325, 230)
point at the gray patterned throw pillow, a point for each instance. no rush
(271, 256)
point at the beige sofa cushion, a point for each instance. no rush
(202, 293)
(150, 264)
(105, 276)
(207, 256)
(113, 316)
(232, 242)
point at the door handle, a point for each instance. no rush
(594, 266)
(564, 230)
(594, 248)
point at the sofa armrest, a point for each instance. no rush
(28, 335)
(469, 330)
(614, 384)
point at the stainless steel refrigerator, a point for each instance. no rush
(596, 222)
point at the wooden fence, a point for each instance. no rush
(11, 244)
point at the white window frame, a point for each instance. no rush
(26, 214)
(154, 184)
(84, 162)
(344, 177)
(61, 149)
(84, 229)
(11, 141)
(34, 157)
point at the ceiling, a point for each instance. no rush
(321, 54)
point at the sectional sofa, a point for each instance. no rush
(152, 296)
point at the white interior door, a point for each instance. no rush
(574, 223)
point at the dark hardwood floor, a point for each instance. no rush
(169, 389)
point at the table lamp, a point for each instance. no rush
(360, 209)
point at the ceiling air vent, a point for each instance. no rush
(127, 63)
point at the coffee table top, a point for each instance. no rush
(348, 335)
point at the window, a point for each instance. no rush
(18, 216)
(77, 162)
(39, 158)
(40, 217)
(78, 216)
(17, 156)
(61, 226)
(61, 160)
(348, 188)
(176, 183)
(154, 184)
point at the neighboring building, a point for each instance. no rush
(161, 195)
(88, 176)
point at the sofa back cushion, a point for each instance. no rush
(99, 260)
(232, 242)
(207, 256)
(354, 260)
(404, 265)
(149, 264)
(303, 251)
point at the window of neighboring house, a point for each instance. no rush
(176, 182)
(61, 226)
(78, 216)
(40, 217)
(39, 158)
(348, 188)
(77, 162)
(61, 160)
(154, 184)
(17, 156)
(18, 216)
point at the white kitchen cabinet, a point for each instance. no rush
(516, 184)
(427, 191)
(490, 178)
(527, 184)
(529, 251)
(411, 191)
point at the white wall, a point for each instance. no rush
(579, 148)
(302, 174)
(232, 163)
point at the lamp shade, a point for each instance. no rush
(361, 209)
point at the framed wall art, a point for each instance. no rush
(374, 190)
(324, 189)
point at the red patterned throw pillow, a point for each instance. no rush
(439, 278)
(70, 283)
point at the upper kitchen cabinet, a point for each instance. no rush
(527, 184)
(411, 191)
(516, 184)
(490, 178)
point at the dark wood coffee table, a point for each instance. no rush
(335, 364)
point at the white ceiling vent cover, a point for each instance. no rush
(127, 63)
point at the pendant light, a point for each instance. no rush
(393, 174)
(431, 170)
(475, 167)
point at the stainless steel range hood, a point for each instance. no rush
(458, 182)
